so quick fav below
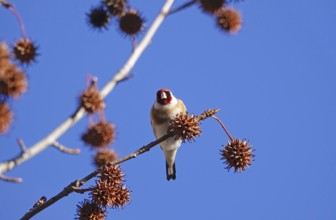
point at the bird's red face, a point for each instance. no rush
(163, 96)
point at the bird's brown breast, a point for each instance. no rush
(160, 116)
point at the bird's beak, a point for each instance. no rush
(163, 95)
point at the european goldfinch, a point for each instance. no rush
(166, 107)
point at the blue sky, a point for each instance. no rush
(274, 82)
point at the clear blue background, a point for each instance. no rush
(274, 82)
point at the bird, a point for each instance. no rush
(166, 106)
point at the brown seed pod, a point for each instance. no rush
(131, 23)
(100, 134)
(104, 157)
(98, 18)
(229, 20)
(109, 190)
(25, 51)
(112, 174)
(123, 196)
(115, 7)
(6, 117)
(207, 113)
(186, 127)
(110, 195)
(91, 100)
(211, 6)
(13, 81)
(88, 210)
(237, 154)
(4, 53)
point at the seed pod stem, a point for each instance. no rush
(224, 128)
(18, 17)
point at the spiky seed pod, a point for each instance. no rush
(186, 127)
(100, 134)
(109, 190)
(229, 20)
(211, 6)
(123, 197)
(4, 53)
(25, 51)
(87, 210)
(112, 175)
(104, 157)
(102, 193)
(109, 194)
(91, 100)
(237, 154)
(115, 7)
(207, 113)
(6, 117)
(98, 18)
(131, 23)
(13, 81)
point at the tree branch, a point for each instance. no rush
(16, 14)
(64, 149)
(5, 4)
(184, 6)
(80, 112)
(74, 186)
(22, 145)
(11, 179)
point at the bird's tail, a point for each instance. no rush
(171, 172)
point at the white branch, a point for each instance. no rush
(120, 75)
(138, 50)
(11, 179)
(65, 149)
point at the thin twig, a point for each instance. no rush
(134, 42)
(11, 179)
(181, 7)
(64, 149)
(74, 186)
(22, 145)
(221, 123)
(5, 4)
(127, 77)
(11, 8)
(65, 192)
(18, 17)
(80, 112)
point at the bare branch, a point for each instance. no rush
(223, 126)
(127, 77)
(64, 149)
(184, 6)
(5, 4)
(75, 186)
(11, 179)
(134, 42)
(80, 112)
(22, 145)
(16, 14)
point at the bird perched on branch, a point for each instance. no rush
(166, 107)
